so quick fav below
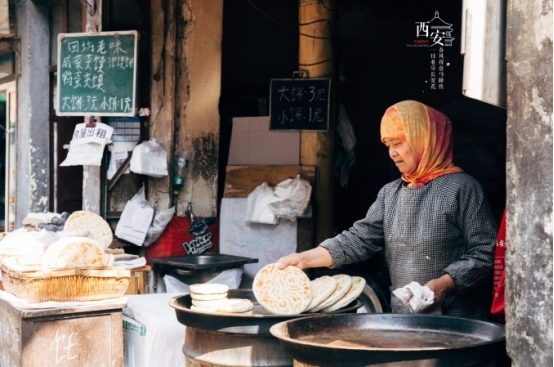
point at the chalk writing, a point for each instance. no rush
(97, 73)
(10, 346)
(62, 345)
(299, 104)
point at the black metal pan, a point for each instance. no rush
(356, 340)
(258, 323)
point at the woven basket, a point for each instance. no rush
(66, 284)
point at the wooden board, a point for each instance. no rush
(242, 180)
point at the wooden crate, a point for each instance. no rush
(80, 336)
(138, 283)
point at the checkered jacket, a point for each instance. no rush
(444, 227)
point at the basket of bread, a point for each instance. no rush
(70, 265)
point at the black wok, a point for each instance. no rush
(356, 340)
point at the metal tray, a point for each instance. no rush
(204, 261)
(258, 323)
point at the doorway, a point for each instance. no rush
(7, 155)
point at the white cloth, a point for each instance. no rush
(417, 297)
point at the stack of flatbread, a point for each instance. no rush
(282, 291)
(290, 292)
(212, 297)
(344, 290)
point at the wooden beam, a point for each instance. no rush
(316, 56)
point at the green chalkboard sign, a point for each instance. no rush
(299, 104)
(97, 74)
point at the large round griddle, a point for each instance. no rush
(356, 340)
(258, 323)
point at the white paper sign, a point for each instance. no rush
(87, 145)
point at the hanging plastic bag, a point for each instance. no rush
(135, 219)
(257, 205)
(293, 196)
(150, 159)
(161, 219)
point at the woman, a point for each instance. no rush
(434, 223)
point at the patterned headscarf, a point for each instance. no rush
(429, 133)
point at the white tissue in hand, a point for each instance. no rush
(417, 297)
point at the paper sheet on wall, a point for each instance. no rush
(134, 222)
(265, 242)
(87, 145)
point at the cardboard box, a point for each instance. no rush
(152, 335)
(134, 343)
(252, 143)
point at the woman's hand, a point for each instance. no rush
(314, 258)
(441, 286)
(290, 260)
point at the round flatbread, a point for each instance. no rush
(235, 305)
(75, 251)
(322, 288)
(282, 292)
(208, 304)
(208, 297)
(358, 284)
(344, 282)
(208, 288)
(98, 228)
(203, 309)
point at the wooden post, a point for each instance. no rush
(92, 174)
(316, 56)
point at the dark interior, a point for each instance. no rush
(378, 65)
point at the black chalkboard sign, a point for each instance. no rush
(299, 104)
(97, 74)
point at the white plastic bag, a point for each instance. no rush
(150, 159)
(293, 196)
(135, 219)
(161, 219)
(257, 205)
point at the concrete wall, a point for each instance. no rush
(32, 130)
(529, 183)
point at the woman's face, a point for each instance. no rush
(400, 151)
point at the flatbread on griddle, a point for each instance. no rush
(207, 304)
(344, 282)
(322, 288)
(235, 305)
(282, 292)
(203, 309)
(358, 284)
(208, 297)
